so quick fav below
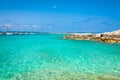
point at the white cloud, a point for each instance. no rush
(35, 26)
(5, 25)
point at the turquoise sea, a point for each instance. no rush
(50, 57)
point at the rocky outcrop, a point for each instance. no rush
(109, 37)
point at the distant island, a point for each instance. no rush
(109, 37)
(28, 33)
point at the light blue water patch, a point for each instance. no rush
(27, 53)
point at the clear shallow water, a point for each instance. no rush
(49, 57)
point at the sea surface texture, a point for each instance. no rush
(50, 57)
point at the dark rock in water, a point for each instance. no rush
(109, 37)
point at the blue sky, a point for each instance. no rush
(60, 15)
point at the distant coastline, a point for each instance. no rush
(109, 37)
(30, 32)
(26, 33)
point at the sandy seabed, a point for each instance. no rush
(61, 75)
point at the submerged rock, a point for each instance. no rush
(109, 37)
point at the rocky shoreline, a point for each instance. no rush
(108, 37)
